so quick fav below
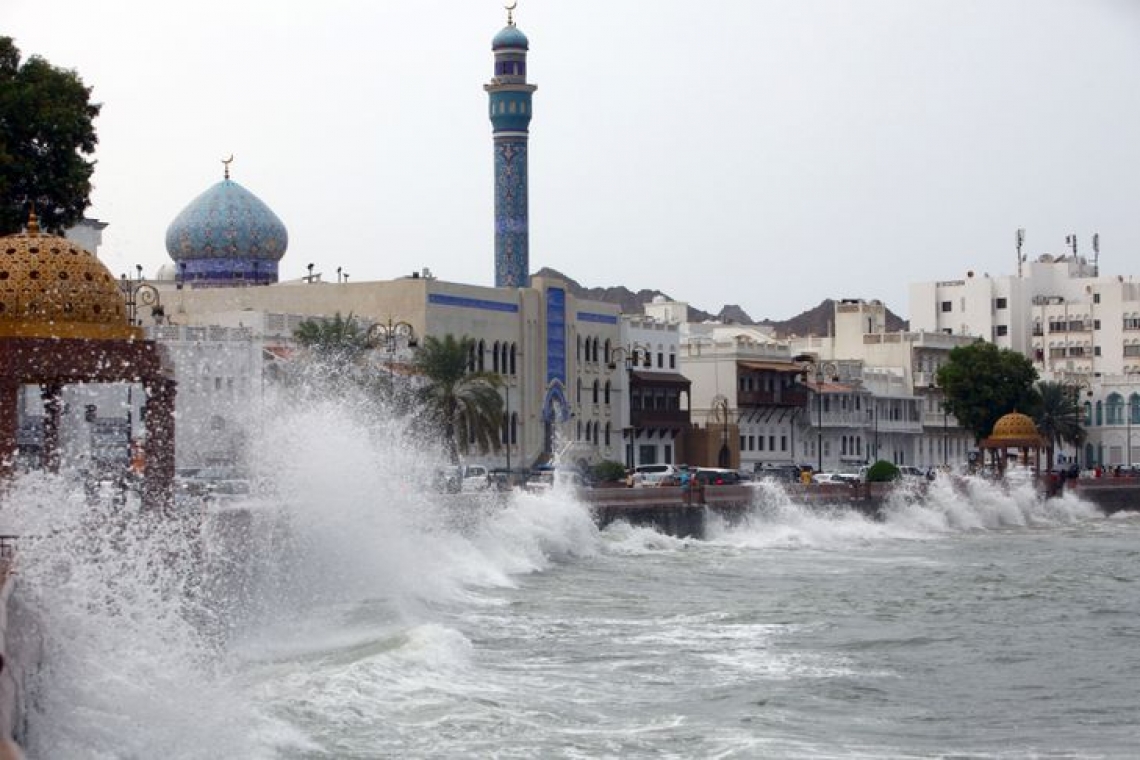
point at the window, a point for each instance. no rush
(660, 360)
(946, 306)
(760, 439)
(672, 360)
(1132, 350)
(1001, 303)
(1001, 330)
(1132, 323)
(1096, 297)
(783, 443)
(606, 396)
(771, 443)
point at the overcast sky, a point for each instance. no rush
(768, 153)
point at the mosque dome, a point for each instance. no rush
(226, 237)
(52, 288)
(1014, 427)
(510, 36)
(226, 221)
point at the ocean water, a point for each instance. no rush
(350, 613)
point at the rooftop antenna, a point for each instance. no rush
(1071, 241)
(1096, 254)
(1020, 241)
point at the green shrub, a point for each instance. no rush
(882, 472)
(609, 471)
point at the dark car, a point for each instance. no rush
(711, 476)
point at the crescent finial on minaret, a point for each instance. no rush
(226, 162)
(510, 12)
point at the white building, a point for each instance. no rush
(655, 411)
(899, 370)
(1078, 327)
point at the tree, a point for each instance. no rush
(340, 340)
(1058, 417)
(883, 471)
(983, 382)
(463, 408)
(46, 134)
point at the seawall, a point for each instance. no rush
(675, 511)
(20, 650)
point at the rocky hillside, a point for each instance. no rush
(814, 321)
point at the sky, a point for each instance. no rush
(765, 153)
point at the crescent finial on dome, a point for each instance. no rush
(33, 221)
(226, 162)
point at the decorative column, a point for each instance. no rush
(158, 448)
(51, 393)
(9, 426)
(510, 111)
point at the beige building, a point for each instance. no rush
(549, 347)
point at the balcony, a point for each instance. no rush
(659, 418)
(785, 397)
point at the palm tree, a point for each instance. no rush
(338, 339)
(1059, 416)
(463, 407)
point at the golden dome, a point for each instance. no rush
(1014, 426)
(52, 288)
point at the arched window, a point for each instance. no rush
(589, 431)
(1088, 414)
(607, 434)
(480, 356)
(579, 399)
(514, 353)
(1099, 413)
(608, 349)
(596, 344)
(606, 397)
(514, 428)
(1115, 404)
(597, 432)
(495, 359)
(1134, 408)
(595, 390)
(579, 353)
(471, 358)
(579, 431)
(505, 429)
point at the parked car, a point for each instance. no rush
(785, 473)
(648, 475)
(546, 478)
(714, 476)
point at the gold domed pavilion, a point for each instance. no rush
(1015, 431)
(64, 320)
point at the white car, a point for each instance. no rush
(650, 475)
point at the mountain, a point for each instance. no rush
(814, 321)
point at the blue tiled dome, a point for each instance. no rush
(227, 222)
(510, 37)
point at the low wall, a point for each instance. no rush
(18, 649)
(1110, 494)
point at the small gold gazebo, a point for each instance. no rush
(63, 320)
(1015, 431)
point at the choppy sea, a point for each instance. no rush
(353, 614)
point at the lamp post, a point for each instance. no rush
(620, 354)
(821, 371)
(931, 387)
(391, 334)
(138, 292)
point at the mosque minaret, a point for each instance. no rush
(510, 111)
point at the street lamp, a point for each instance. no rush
(931, 387)
(621, 355)
(138, 292)
(391, 334)
(821, 371)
